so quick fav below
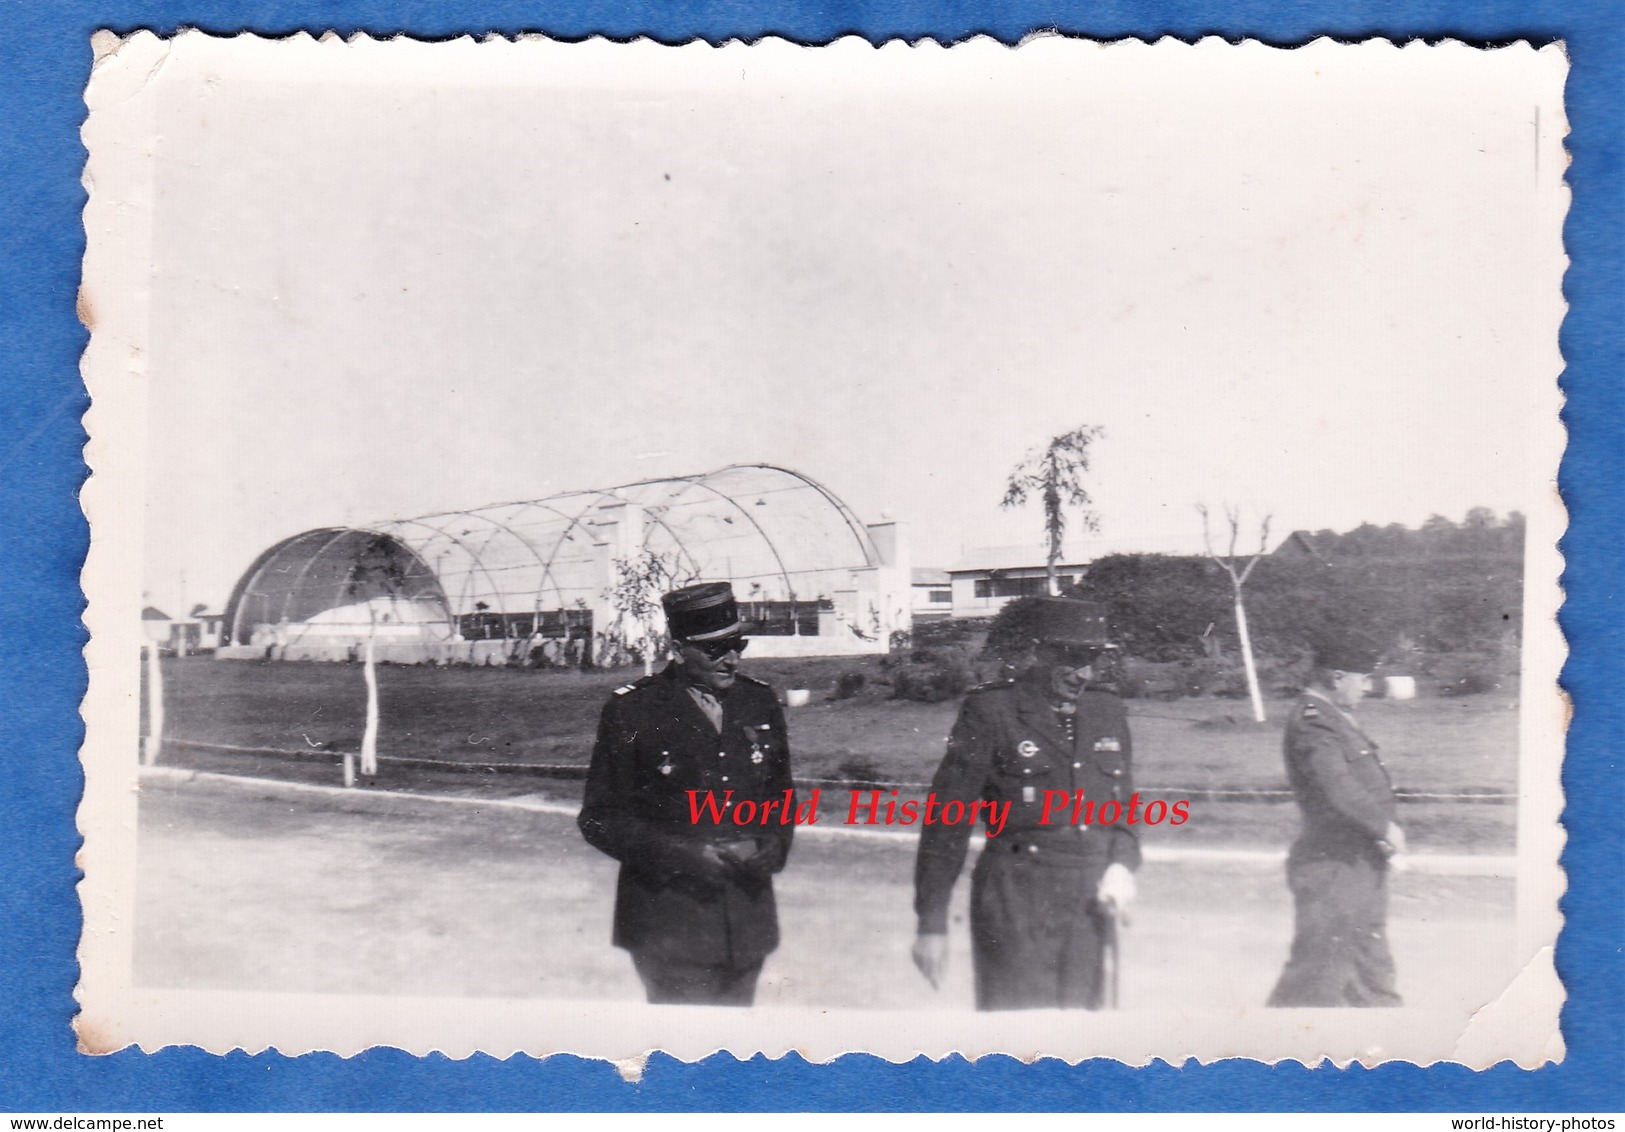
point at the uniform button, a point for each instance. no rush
(725, 778)
(1032, 848)
(1077, 766)
(1118, 771)
(722, 754)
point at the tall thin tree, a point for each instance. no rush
(1055, 475)
(639, 582)
(1238, 579)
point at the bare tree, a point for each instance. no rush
(1054, 473)
(1238, 578)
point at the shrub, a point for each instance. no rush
(849, 685)
(949, 632)
(1466, 674)
(1222, 676)
(1010, 637)
(1159, 606)
(933, 675)
(1283, 675)
(1154, 680)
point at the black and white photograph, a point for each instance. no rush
(611, 547)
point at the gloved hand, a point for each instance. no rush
(1116, 891)
(1394, 840)
(754, 861)
(931, 956)
(1393, 844)
(713, 866)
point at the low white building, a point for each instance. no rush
(182, 636)
(933, 595)
(986, 579)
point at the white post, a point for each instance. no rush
(1247, 659)
(155, 708)
(369, 737)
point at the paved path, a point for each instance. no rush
(263, 886)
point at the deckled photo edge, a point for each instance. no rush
(113, 306)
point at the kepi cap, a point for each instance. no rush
(1072, 624)
(705, 611)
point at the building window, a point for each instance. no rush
(1011, 587)
(941, 597)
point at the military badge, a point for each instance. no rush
(1109, 744)
(1026, 748)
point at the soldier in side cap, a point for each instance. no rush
(1338, 867)
(694, 904)
(1044, 898)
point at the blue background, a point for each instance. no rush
(44, 61)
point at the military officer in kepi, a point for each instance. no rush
(1338, 867)
(694, 904)
(1045, 899)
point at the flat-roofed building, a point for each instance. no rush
(933, 595)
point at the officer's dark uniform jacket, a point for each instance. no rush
(1035, 931)
(654, 745)
(1338, 865)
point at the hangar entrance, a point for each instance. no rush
(320, 593)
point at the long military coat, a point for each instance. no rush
(654, 745)
(1036, 934)
(1337, 868)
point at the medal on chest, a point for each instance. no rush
(1027, 748)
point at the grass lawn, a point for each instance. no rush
(498, 715)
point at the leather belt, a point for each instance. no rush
(1065, 842)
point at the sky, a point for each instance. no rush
(1319, 285)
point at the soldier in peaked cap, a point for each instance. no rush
(1338, 867)
(1044, 897)
(694, 903)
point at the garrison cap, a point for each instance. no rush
(1072, 624)
(705, 611)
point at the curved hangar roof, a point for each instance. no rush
(776, 534)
